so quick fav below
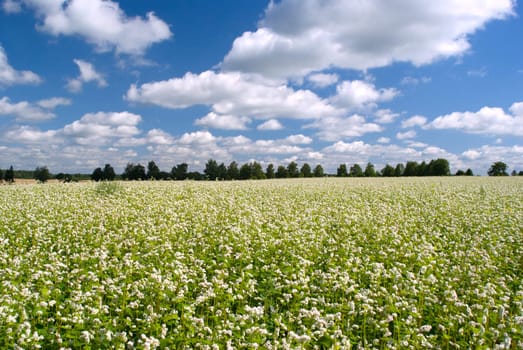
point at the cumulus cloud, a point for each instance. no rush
(321, 80)
(234, 94)
(417, 120)
(361, 95)
(101, 23)
(225, 122)
(52, 103)
(297, 37)
(271, 124)
(406, 135)
(99, 128)
(29, 135)
(87, 74)
(385, 116)
(383, 140)
(11, 6)
(336, 128)
(26, 111)
(488, 121)
(10, 76)
(415, 81)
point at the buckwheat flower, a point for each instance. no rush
(425, 328)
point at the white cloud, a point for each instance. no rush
(101, 23)
(415, 81)
(406, 135)
(225, 122)
(99, 128)
(24, 111)
(233, 94)
(385, 116)
(197, 137)
(360, 95)
(11, 76)
(54, 102)
(271, 124)
(488, 121)
(11, 6)
(159, 137)
(417, 120)
(300, 36)
(87, 74)
(480, 159)
(336, 128)
(480, 73)
(321, 80)
(298, 139)
(383, 140)
(29, 135)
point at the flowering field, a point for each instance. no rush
(305, 264)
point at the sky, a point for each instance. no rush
(89, 82)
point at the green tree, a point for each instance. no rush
(9, 175)
(387, 171)
(41, 174)
(399, 169)
(439, 167)
(97, 174)
(153, 171)
(1, 175)
(411, 169)
(369, 170)
(292, 169)
(356, 171)
(281, 172)
(179, 172)
(245, 171)
(222, 171)
(257, 171)
(318, 171)
(342, 170)
(211, 169)
(498, 169)
(270, 172)
(306, 170)
(233, 173)
(134, 172)
(108, 173)
(469, 172)
(460, 173)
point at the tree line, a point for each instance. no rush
(251, 171)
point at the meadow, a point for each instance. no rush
(410, 263)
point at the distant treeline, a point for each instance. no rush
(251, 171)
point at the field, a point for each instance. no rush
(304, 264)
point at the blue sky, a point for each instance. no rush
(89, 82)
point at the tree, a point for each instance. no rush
(342, 170)
(387, 171)
(179, 172)
(245, 171)
(233, 173)
(520, 173)
(422, 169)
(411, 169)
(97, 174)
(134, 172)
(269, 172)
(369, 170)
(498, 169)
(356, 171)
(439, 167)
(108, 173)
(153, 171)
(1, 175)
(281, 172)
(222, 171)
(514, 173)
(41, 174)
(469, 172)
(211, 169)
(9, 175)
(318, 171)
(292, 169)
(398, 171)
(306, 170)
(460, 173)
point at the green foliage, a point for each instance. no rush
(498, 169)
(342, 170)
(106, 188)
(41, 174)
